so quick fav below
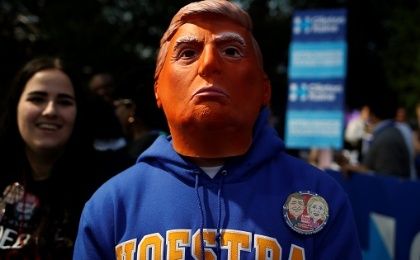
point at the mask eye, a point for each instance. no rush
(187, 50)
(187, 54)
(233, 52)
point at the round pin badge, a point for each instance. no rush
(305, 212)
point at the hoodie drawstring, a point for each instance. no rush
(219, 212)
(219, 215)
(197, 178)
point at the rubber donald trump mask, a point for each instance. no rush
(209, 80)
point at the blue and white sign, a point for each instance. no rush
(319, 25)
(316, 94)
(317, 128)
(317, 60)
(317, 71)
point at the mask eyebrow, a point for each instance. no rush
(230, 37)
(185, 39)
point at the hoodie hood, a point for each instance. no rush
(173, 202)
(265, 146)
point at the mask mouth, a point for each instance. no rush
(211, 91)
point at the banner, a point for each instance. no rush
(317, 71)
(387, 213)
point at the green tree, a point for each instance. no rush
(401, 55)
(119, 35)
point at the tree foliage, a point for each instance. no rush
(401, 55)
(122, 35)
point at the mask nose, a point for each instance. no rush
(210, 63)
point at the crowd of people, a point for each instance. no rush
(379, 139)
(189, 155)
(384, 140)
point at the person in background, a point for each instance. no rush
(357, 133)
(136, 119)
(403, 125)
(415, 126)
(106, 128)
(103, 85)
(390, 150)
(108, 135)
(142, 122)
(401, 114)
(218, 186)
(45, 173)
(109, 141)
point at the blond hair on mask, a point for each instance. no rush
(223, 8)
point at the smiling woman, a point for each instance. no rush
(46, 113)
(41, 129)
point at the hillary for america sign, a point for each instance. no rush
(317, 72)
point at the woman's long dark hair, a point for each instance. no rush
(64, 193)
(10, 138)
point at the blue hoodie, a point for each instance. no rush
(165, 207)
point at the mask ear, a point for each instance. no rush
(158, 102)
(266, 90)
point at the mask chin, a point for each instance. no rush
(207, 141)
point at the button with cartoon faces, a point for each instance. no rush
(305, 212)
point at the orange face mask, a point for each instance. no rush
(211, 88)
